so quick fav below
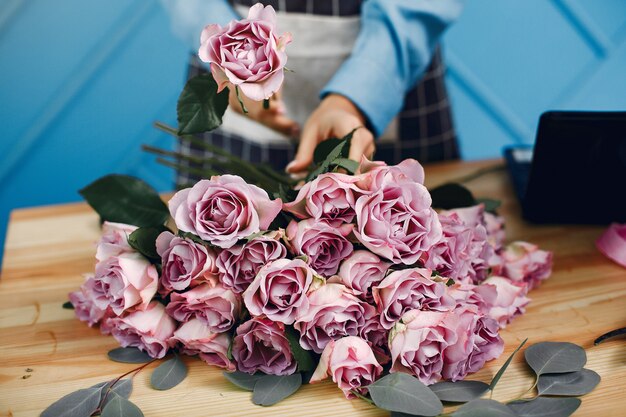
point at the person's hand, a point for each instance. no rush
(336, 116)
(274, 117)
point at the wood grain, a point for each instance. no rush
(49, 248)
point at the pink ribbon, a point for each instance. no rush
(612, 243)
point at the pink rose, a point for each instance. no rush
(525, 262)
(324, 245)
(495, 230)
(239, 264)
(463, 252)
(483, 297)
(248, 53)
(216, 306)
(409, 289)
(196, 338)
(351, 364)
(114, 240)
(397, 222)
(418, 342)
(260, 345)
(124, 281)
(333, 312)
(185, 262)
(510, 302)
(279, 290)
(330, 197)
(223, 210)
(149, 330)
(361, 271)
(376, 335)
(83, 301)
(377, 173)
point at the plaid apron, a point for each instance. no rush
(423, 129)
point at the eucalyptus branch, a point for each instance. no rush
(363, 397)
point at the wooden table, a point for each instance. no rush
(46, 353)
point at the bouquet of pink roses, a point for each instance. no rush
(350, 275)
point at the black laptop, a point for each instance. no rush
(576, 172)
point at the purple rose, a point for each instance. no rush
(324, 245)
(397, 222)
(185, 263)
(260, 345)
(216, 306)
(124, 281)
(196, 338)
(279, 290)
(248, 53)
(333, 312)
(525, 262)
(149, 330)
(361, 271)
(114, 240)
(480, 296)
(409, 289)
(376, 335)
(223, 210)
(330, 197)
(239, 264)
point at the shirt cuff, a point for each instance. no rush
(371, 88)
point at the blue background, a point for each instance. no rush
(82, 81)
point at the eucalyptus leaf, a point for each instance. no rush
(555, 357)
(200, 107)
(120, 407)
(123, 388)
(405, 394)
(169, 374)
(484, 408)
(303, 357)
(125, 199)
(271, 389)
(144, 241)
(452, 195)
(81, 403)
(460, 391)
(243, 380)
(570, 384)
(500, 372)
(546, 407)
(68, 305)
(128, 355)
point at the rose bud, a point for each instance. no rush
(279, 290)
(351, 364)
(217, 307)
(524, 262)
(223, 210)
(510, 301)
(196, 338)
(361, 271)
(148, 330)
(260, 345)
(114, 240)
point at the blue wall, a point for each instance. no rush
(82, 81)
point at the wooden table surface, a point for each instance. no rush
(49, 248)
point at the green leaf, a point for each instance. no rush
(124, 199)
(460, 391)
(348, 164)
(484, 408)
(323, 149)
(128, 355)
(490, 204)
(449, 196)
(500, 372)
(121, 407)
(123, 388)
(570, 384)
(546, 407)
(68, 305)
(340, 150)
(271, 389)
(243, 380)
(169, 374)
(81, 403)
(405, 394)
(303, 357)
(200, 107)
(555, 357)
(143, 240)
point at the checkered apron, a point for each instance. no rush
(423, 129)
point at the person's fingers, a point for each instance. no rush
(304, 156)
(370, 151)
(361, 144)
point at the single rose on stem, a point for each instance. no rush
(148, 330)
(350, 363)
(196, 338)
(223, 210)
(525, 262)
(260, 345)
(247, 53)
(114, 240)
